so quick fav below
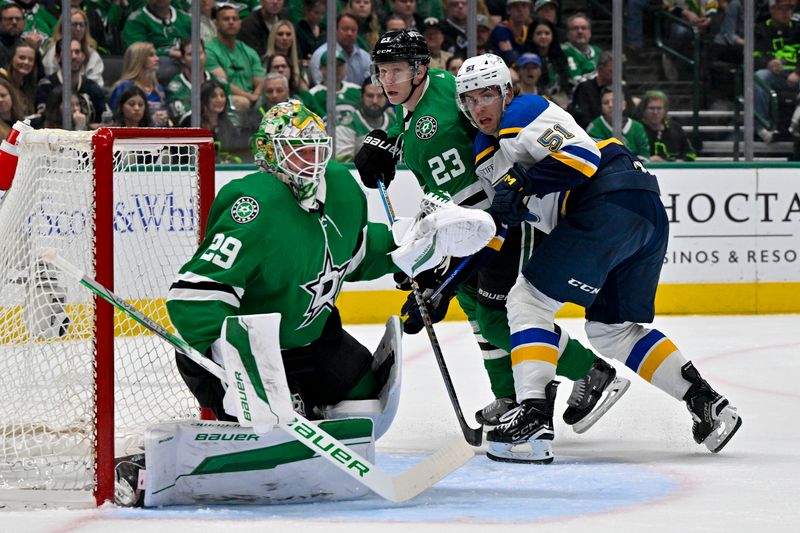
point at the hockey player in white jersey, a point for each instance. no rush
(608, 233)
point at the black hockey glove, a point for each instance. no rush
(509, 196)
(428, 282)
(377, 159)
(437, 309)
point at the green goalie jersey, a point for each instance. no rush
(437, 142)
(263, 254)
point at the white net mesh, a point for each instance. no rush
(47, 327)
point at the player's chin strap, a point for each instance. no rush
(397, 488)
(414, 87)
(472, 436)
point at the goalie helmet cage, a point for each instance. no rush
(79, 383)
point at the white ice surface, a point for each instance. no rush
(637, 470)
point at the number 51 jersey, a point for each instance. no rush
(437, 142)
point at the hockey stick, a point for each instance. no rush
(472, 436)
(464, 262)
(396, 488)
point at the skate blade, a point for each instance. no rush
(611, 395)
(729, 424)
(531, 452)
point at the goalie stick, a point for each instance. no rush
(395, 488)
(473, 436)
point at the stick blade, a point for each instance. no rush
(473, 436)
(432, 470)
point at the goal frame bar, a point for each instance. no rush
(103, 142)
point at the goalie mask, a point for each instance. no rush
(481, 72)
(292, 144)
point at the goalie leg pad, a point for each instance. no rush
(258, 393)
(386, 365)
(202, 462)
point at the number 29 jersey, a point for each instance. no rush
(437, 142)
(264, 254)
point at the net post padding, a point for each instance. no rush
(128, 205)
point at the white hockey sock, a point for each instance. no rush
(648, 352)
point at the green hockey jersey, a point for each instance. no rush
(437, 142)
(263, 254)
(348, 99)
(581, 66)
(633, 133)
(351, 129)
(142, 25)
(179, 98)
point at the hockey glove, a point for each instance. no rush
(428, 282)
(377, 159)
(429, 279)
(437, 309)
(509, 196)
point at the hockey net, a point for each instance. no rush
(79, 382)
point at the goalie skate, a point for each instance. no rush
(525, 433)
(128, 481)
(715, 420)
(593, 395)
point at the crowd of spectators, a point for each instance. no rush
(256, 53)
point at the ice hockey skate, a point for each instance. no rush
(715, 420)
(525, 433)
(593, 395)
(128, 480)
(490, 415)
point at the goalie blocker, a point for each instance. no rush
(223, 462)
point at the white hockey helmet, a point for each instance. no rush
(486, 70)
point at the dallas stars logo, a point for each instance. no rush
(244, 209)
(425, 128)
(324, 288)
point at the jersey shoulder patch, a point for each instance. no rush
(245, 209)
(255, 197)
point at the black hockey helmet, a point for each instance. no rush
(399, 45)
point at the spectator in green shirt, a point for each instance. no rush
(348, 95)
(179, 90)
(164, 26)
(633, 133)
(581, 54)
(353, 126)
(231, 60)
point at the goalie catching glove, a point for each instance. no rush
(441, 229)
(444, 281)
(377, 159)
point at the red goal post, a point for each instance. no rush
(78, 382)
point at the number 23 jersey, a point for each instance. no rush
(437, 142)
